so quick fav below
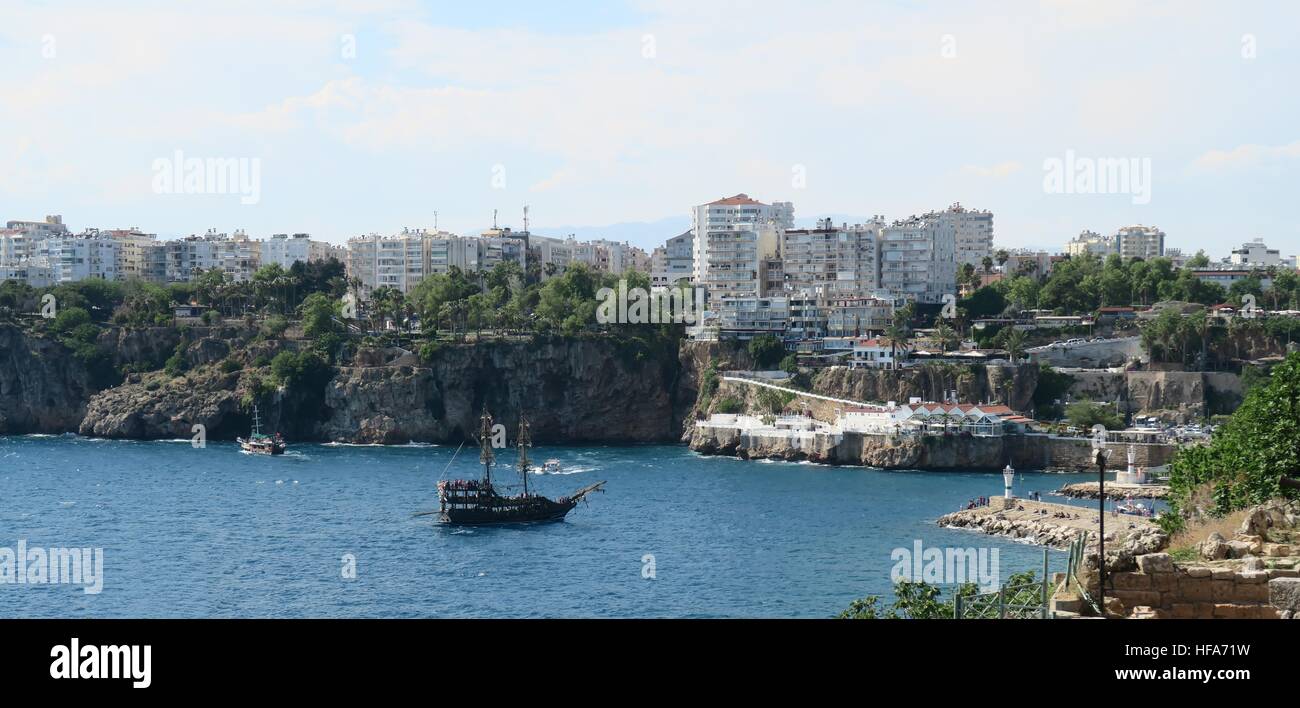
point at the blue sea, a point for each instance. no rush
(214, 532)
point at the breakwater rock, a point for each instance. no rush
(1058, 525)
(1090, 490)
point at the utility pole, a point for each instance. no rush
(1101, 529)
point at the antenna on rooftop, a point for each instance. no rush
(494, 219)
(525, 218)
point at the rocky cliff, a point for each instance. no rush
(972, 383)
(43, 387)
(605, 390)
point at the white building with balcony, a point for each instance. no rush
(918, 259)
(834, 261)
(732, 237)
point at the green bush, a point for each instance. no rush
(766, 351)
(728, 405)
(1246, 460)
(230, 366)
(299, 369)
(1086, 414)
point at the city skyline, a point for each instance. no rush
(611, 120)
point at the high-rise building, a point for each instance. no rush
(1092, 242)
(831, 260)
(918, 259)
(81, 257)
(732, 237)
(1145, 242)
(673, 261)
(974, 230)
(298, 248)
(1255, 254)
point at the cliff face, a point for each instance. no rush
(573, 390)
(972, 383)
(43, 387)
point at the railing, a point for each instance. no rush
(1022, 601)
(1078, 550)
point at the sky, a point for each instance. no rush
(614, 118)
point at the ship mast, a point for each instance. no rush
(523, 442)
(257, 422)
(485, 445)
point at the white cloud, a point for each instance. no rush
(1001, 169)
(1245, 156)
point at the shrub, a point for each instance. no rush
(728, 405)
(766, 351)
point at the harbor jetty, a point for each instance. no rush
(1058, 525)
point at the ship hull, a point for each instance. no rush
(536, 510)
(503, 509)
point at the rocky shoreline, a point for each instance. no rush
(1059, 525)
(1091, 490)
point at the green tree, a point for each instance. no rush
(766, 350)
(1250, 455)
(1085, 414)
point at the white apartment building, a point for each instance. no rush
(918, 259)
(52, 226)
(732, 237)
(235, 254)
(399, 261)
(140, 256)
(877, 354)
(621, 257)
(856, 316)
(34, 274)
(1255, 254)
(1091, 242)
(1145, 242)
(1033, 263)
(831, 260)
(747, 317)
(674, 260)
(15, 246)
(402, 260)
(298, 248)
(974, 229)
(81, 257)
(553, 255)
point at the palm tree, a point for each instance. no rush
(1015, 344)
(896, 335)
(947, 335)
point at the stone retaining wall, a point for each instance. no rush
(1205, 593)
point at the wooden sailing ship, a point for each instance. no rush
(259, 443)
(476, 501)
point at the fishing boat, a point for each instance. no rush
(476, 501)
(259, 443)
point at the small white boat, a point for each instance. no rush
(551, 466)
